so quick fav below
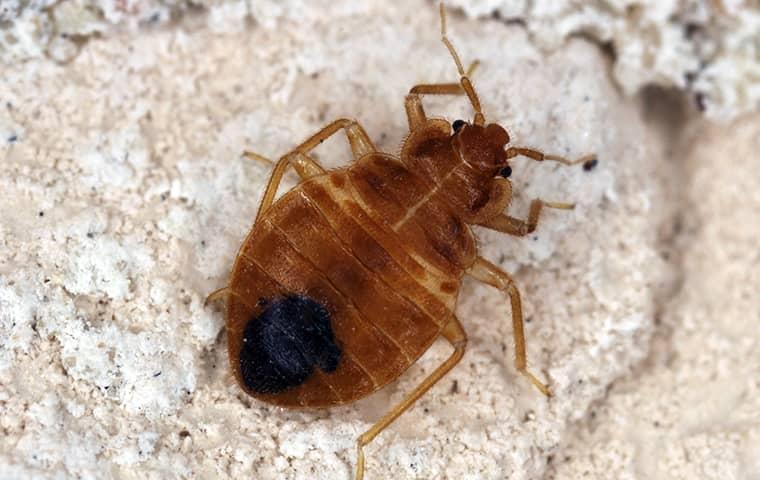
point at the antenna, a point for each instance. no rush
(465, 81)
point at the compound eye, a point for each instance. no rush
(505, 172)
(457, 125)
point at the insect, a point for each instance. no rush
(349, 277)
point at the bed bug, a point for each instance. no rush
(349, 277)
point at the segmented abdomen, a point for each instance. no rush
(387, 300)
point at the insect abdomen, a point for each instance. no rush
(415, 209)
(382, 319)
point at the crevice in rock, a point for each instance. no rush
(671, 117)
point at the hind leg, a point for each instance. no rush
(357, 138)
(305, 166)
(455, 334)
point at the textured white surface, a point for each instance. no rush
(693, 410)
(124, 199)
(706, 48)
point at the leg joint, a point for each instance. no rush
(363, 440)
(507, 285)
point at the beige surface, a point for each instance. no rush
(704, 48)
(693, 409)
(124, 199)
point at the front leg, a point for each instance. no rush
(518, 227)
(415, 113)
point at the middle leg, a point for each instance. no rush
(488, 273)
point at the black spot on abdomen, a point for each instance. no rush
(285, 342)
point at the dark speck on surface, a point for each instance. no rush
(701, 100)
(12, 138)
(590, 165)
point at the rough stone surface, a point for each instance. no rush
(707, 48)
(693, 409)
(125, 197)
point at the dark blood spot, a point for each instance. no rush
(285, 342)
(590, 164)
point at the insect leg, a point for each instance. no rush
(357, 138)
(304, 165)
(455, 334)
(540, 156)
(272, 185)
(518, 227)
(413, 103)
(489, 273)
(216, 295)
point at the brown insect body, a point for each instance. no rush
(348, 278)
(383, 245)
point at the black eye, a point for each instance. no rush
(457, 125)
(505, 172)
